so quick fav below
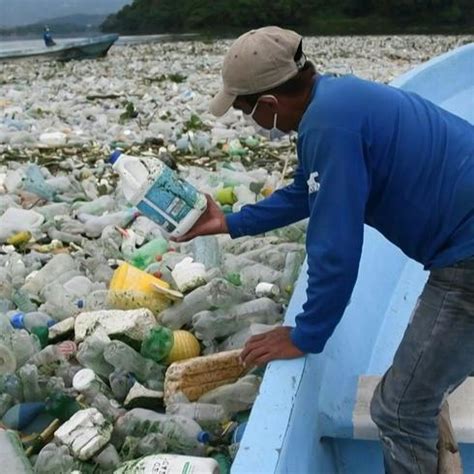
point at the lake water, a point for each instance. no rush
(7, 44)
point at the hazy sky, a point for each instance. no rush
(22, 12)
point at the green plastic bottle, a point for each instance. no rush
(158, 344)
(147, 254)
(61, 406)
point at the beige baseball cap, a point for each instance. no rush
(257, 61)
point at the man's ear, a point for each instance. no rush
(270, 102)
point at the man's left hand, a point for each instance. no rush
(274, 344)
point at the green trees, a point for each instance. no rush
(160, 16)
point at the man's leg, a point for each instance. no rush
(435, 356)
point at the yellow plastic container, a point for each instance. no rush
(131, 288)
(185, 346)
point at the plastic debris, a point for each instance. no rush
(119, 381)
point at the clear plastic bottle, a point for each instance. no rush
(206, 250)
(91, 355)
(293, 263)
(95, 301)
(29, 321)
(234, 397)
(121, 382)
(54, 269)
(207, 415)
(6, 402)
(30, 380)
(88, 383)
(218, 293)
(124, 358)
(251, 272)
(159, 193)
(14, 459)
(221, 323)
(54, 458)
(183, 434)
(148, 253)
(238, 340)
(94, 225)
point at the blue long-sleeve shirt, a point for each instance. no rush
(370, 153)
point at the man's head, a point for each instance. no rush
(266, 74)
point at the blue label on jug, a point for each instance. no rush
(169, 200)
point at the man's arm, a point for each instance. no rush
(333, 242)
(335, 234)
(283, 207)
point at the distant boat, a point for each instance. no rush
(89, 48)
(312, 413)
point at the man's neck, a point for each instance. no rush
(303, 102)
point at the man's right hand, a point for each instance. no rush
(211, 222)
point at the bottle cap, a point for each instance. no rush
(18, 320)
(80, 304)
(115, 156)
(83, 379)
(203, 437)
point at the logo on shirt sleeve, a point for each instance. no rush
(313, 183)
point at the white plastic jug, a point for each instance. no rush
(159, 193)
(170, 464)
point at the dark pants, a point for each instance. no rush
(435, 356)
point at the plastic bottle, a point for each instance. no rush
(96, 207)
(235, 397)
(121, 382)
(207, 415)
(15, 220)
(94, 225)
(13, 456)
(29, 321)
(54, 458)
(17, 270)
(91, 355)
(206, 250)
(55, 268)
(88, 383)
(238, 339)
(23, 301)
(34, 182)
(159, 193)
(11, 385)
(24, 346)
(61, 406)
(7, 360)
(94, 301)
(147, 254)
(293, 263)
(30, 380)
(21, 415)
(183, 434)
(251, 273)
(169, 464)
(124, 358)
(6, 402)
(218, 293)
(47, 357)
(220, 323)
(158, 344)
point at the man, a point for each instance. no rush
(368, 153)
(48, 38)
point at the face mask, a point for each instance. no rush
(271, 134)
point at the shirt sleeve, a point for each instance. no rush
(283, 207)
(335, 231)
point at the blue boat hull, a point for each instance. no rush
(89, 48)
(304, 418)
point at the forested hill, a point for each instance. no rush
(324, 16)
